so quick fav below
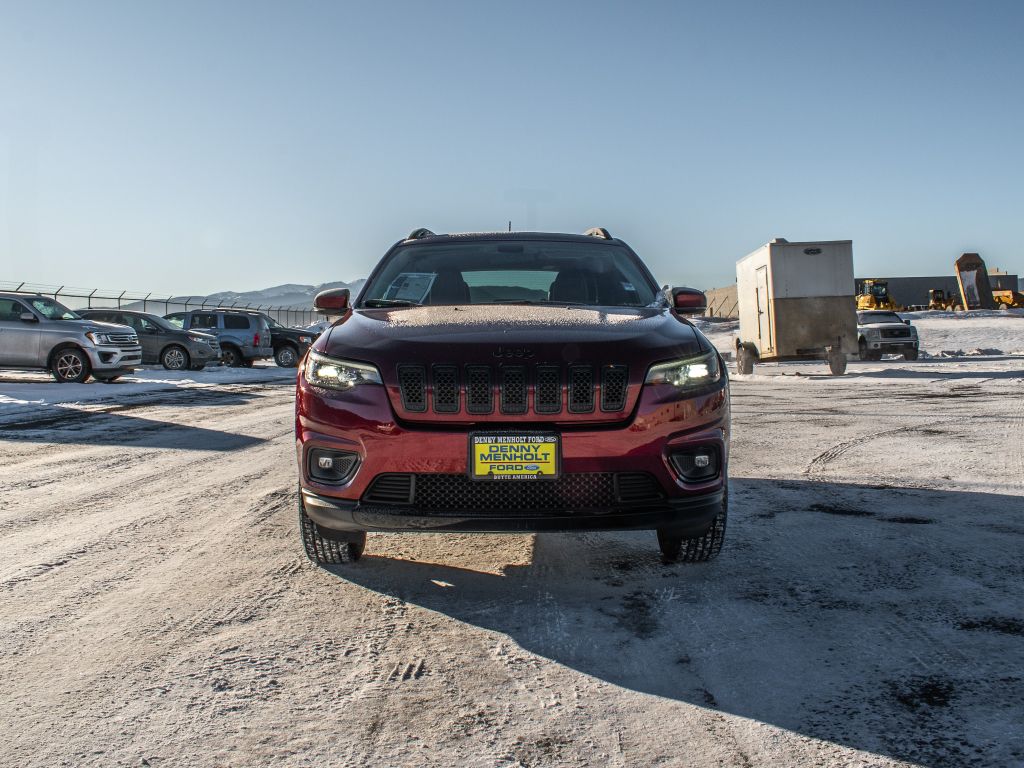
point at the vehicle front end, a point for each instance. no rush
(112, 349)
(513, 417)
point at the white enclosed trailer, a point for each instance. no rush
(796, 303)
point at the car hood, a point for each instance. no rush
(526, 333)
(85, 326)
(884, 325)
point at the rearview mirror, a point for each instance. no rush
(689, 301)
(28, 317)
(332, 302)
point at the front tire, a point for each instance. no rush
(695, 549)
(862, 350)
(70, 366)
(175, 358)
(910, 354)
(325, 547)
(286, 356)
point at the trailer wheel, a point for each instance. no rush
(862, 350)
(837, 363)
(744, 362)
(1004, 307)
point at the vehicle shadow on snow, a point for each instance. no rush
(885, 619)
(85, 428)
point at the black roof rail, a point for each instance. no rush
(598, 232)
(422, 232)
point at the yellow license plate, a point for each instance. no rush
(514, 457)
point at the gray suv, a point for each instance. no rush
(38, 332)
(243, 337)
(163, 343)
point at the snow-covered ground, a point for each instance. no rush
(24, 394)
(156, 607)
(943, 334)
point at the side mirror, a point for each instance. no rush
(28, 317)
(689, 301)
(906, 322)
(332, 302)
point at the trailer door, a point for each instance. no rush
(764, 316)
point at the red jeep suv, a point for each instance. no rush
(512, 382)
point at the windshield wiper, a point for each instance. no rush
(374, 303)
(541, 302)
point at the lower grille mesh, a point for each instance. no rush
(570, 492)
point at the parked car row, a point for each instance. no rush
(37, 332)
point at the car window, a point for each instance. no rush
(11, 309)
(130, 320)
(236, 322)
(52, 310)
(176, 319)
(145, 324)
(203, 320)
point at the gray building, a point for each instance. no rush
(910, 291)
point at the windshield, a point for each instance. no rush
(148, 321)
(52, 310)
(515, 271)
(271, 321)
(879, 317)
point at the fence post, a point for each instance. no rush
(88, 299)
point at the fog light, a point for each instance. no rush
(697, 464)
(328, 466)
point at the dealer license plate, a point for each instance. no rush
(514, 457)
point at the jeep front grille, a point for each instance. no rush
(484, 389)
(458, 493)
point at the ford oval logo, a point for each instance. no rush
(532, 467)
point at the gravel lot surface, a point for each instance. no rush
(868, 607)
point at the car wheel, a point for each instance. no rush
(247, 363)
(837, 364)
(695, 549)
(910, 354)
(231, 356)
(329, 547)
(286, 356)
(862, 350)
(175, 358)
(70, 366)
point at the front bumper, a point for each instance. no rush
(892, 346)
(106, 358)
(683, 516)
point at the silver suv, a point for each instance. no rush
(38, 332)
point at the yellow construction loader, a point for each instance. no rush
(940, 300)
(875, 295)
(1008, 299)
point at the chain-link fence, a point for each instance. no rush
(84, 298)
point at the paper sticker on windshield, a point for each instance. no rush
(410, 286)
(628, 287)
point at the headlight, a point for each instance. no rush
(873, 333)
(98, 338)
(305, 340)
(323, 371)
(200, 339)
(690, 373)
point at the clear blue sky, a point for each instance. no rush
(202, 146)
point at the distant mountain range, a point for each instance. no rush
(288, 295)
